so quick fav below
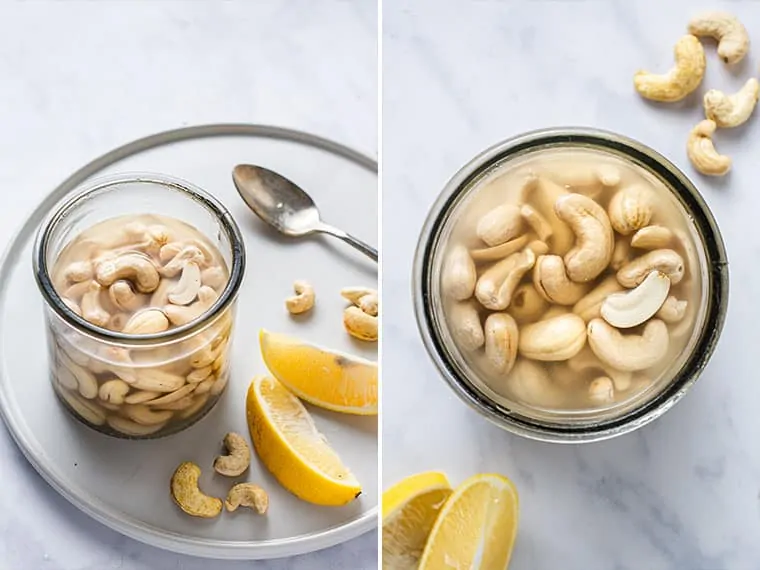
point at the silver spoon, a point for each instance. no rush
(285, 206)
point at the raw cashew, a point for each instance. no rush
(359, 324)
(501, 339)
(238, 456)
(132, 266)
(123, 296)
(465, 326)
(544, 194)
(355, 294)
(681, 80)
(651, 237)
(631, 209)
(86, 409)
(128, 427)
(86, 383)
(527, 305)
(590, 306)
(665, 261)
(621, 254)
(585, 178)
(496, 285)
(157, 380)
(538, 247)
(205, 386)
(188, 285)
(732, 110)
(537, 222)
(733, 40)
(636, 306)
(554, 339)
(169, 251)
(247, 495)
(171, 397)
(145, 416)
(78, 271)
(188, 254)
(702, 153)
(500, 225)
(182, 314)
(141, 396)
(672, 310)
(150, 321)
(601, 390)
(188, 496)
(552, 282)
(113, 391)
(586, 361)
(594, 239)
(529, 383)
(177, 405)
(629, 352)
(195, 408)
(214, 277)
(199, 375)
(303, 300)
(458, 275)
(499, 252)
(160, 296)
(92, 310)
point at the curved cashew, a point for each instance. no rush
(141, 396)
(130, 428)
(92, 310)
(733, 40)
(586, 178)
(594, 239)
(681, 80)
(188, 496)
(499, 252)
(214, 277)
(86, 409)
(629, 352)
(529, 383)
(537, 222)
(465, 326)
(132, 266)
(149, 321)
(160, 296)
(458, 275)
(501, 339)
(590, 306)
(544, 193)
(359, 324)
(171, 397)
(179, 315)
(113, 391)
(370, 304)
(145, 416)
(638, 305)
(496, 285)
(702, 153)
(527, 305)
(601, 390)
(355, 294)
(672, 310)
(554, 339)
(732, 110)
(586, 361)
(631, 208)
(157, 380)
(651, 237)
(199, 375)
(169, 251)
(621, 255)
(188, 285)
(500, 225)
(205, 386)
(238, 456)
(78, 271)
(552, 282)
(303, 300)
(665, 261)
(86, 383)
(123, 296)
(188, 254)
(247, 495)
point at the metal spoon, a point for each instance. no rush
(285, 206)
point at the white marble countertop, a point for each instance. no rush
(78, 78)
(682, 493)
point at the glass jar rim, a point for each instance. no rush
(62, 209)
(716, 283)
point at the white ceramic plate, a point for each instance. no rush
(125, 484)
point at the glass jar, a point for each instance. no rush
(579, 424)
(139, 386)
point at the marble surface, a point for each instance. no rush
(682, 493)
(79, 78)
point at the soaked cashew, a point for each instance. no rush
(188, 285)
(86, 409)
(247, 495)
(92, 310)
(631, 209)
(500, 225)
(188, 254)
(157, 380)
(499, 252)
(86, 383)
(586, 361)
(551, 281)
(601, 391)
(683, 78)
(651, 237)
(170, 251)
(163, 399)
(458, 276)
(72, 305)
(590, 306)
(702, 153)
(179, 315)
(465, 326)
(496, 285)
(360, 325)
(665, 261)
(732, 37)
(537, 222)
(303, 300)
(78, 271)
(621, 254)
(672, 310)
(586, 179)
(238, 456)
(214, 277)
(553, 339)
(130, 428)
(530, 384)
(501, 339)
(134, 267)
(732, 110)
(594, 239)
(538, 247)
(630, 352)
(545, 194)
(124, 298)
(199, 402)
(141, 396)
(145, 416)
(113, 391)
(187, 495)
(527, 305)
(633, 307)
(150, 321)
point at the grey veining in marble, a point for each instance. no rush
(682, 493)
(79, 78)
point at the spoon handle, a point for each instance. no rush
(367, 250)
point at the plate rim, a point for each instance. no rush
(95, 508)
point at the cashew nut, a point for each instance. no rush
(529, 383)
(601, 391)
(78, 271)
(594, 239)
(544, 194)
(113, 391)
(586, 361)
(179, 315)
(160, 296)
(621, 254)
(157, 380)
(171, 397)
(118, 321)
(214, 277)
(630, 352)
(631, 308)
(169, 251)
(188, 285)
(205, 385)
(537, 222)
(247, 495)
(86, 383)
(732, 110)
(501, 339)
(370, 304)
(702, 153)
(199, 375)
(552, 282)
(672, 310)
(733, 40)
(132, 266)
(123, 296)
(499, 252)
(150, 321)
(141, 396)
(458, 275)
(355, 294)
(500, 225)
(465, 326)
(130, 428)
(527, 305)
(188, 254)
(651, 237)
(86, 409)
(538, 247)
(359, 324)
(72, 305)
(145, 416)
(496, 285)
(682, 79)
(188, 496)
(238, 456)
(665, 261)
(586, 179)
(631, 209)
(92, 310)
(553, 339)
(195, 408)
(590, 306)
(303, 300)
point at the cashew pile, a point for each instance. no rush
(140, 274)
(721, 110)
(570, 286)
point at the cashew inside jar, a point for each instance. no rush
(140, 274)
(610, 230)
